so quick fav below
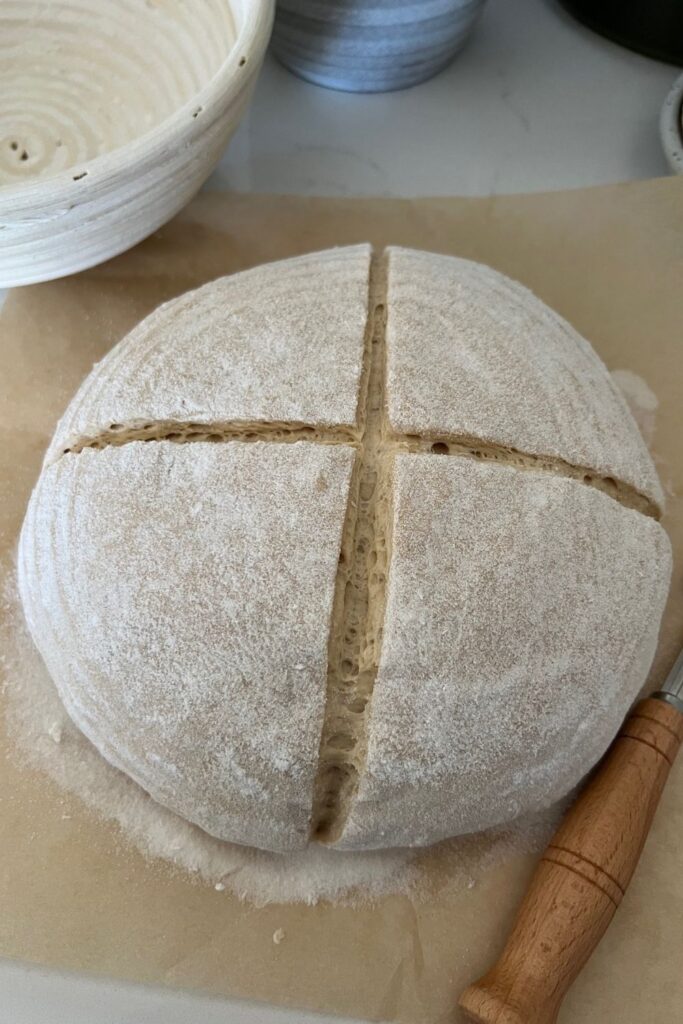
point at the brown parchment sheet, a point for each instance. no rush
(72, 894)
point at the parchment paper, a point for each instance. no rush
(72, 895)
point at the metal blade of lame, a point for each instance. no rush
(672, 689)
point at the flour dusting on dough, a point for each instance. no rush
(35, 718)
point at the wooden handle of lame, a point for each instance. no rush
(582, 875)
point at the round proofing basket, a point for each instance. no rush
(112, 115)
(371, 45)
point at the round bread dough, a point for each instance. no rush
(353, 548)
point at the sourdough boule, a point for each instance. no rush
(352, 548)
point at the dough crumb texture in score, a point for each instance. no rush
(359, 548)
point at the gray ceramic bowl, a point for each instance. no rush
(371, 45)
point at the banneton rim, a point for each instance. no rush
(354, 548)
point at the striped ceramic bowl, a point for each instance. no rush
(371, 45)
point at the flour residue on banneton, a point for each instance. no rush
(43, 737)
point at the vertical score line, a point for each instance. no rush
(358, 610)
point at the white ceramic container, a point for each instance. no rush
(671, 126)
(112, 115)
(371, 45)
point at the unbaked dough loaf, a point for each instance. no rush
(352, 548)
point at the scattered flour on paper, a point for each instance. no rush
(641, 400)
(44, 738)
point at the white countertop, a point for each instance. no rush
(535, 102)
